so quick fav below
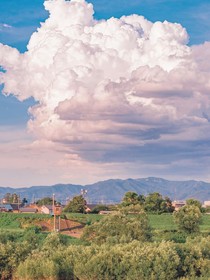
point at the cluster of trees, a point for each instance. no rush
(132, 261)
(188, 218)
(120, 227)
(13, 198)
(32, 257)
(153, 202)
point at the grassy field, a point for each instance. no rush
(157, 222)
(162, 222)
(205, 226)
(15, 221)
(166, 222)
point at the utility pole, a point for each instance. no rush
(54, 227)
(56, 212)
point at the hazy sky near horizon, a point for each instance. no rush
(104, 89)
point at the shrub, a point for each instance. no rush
(188, 218)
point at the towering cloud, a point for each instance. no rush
(112, 90)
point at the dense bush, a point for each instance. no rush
(120, 248)
(119, 228)
(132, 261)
(188, 218)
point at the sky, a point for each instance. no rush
(104, 89)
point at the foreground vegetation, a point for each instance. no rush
(129, 244)
(118, 252)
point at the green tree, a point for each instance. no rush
(45, 201)
(195, 202)
(11, 198)
(24, 201)
(76, 205)
(15, 198)
(155, 202)
(188, 218)
(132, 198)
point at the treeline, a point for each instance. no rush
(152, 203)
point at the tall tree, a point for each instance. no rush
(76, 205)
(131, 198)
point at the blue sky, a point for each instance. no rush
(18, 21)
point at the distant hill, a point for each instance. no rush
(113, 190)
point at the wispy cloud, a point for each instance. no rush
(5, 25)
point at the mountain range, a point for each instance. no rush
(113, 190)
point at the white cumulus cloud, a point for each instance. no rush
(107, 87)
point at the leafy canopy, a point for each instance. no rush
(76, 205)
(120, 227)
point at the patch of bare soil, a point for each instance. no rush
(67, 227)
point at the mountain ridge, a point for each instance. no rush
(113, 190)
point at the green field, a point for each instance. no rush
(157, 222)
(164, 222)
(15, 221)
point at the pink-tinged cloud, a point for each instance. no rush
(112, 91)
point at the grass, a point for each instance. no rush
(15, 220)
(157, 222)
(160, 222)
(205, 226)
(164, 222)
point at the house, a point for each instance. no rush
(206, 204)
(89, 207)
(177, 204)
(28, 210)
(15, 207)
(47, 209)
(6, 208)
(106, 212)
